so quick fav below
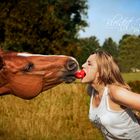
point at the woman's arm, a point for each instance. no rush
(125, 97)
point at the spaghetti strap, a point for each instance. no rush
(106, 90)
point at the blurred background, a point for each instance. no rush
(75, 28)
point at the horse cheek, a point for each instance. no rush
(26, 87)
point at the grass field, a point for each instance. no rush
(131, 76)
(60, 113)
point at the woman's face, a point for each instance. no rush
(90, 68)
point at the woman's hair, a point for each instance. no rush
(109, 72)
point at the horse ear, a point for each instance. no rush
(1, 63)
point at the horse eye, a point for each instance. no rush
(28, 67)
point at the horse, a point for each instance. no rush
(26, 75)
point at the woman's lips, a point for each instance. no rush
(80, 74)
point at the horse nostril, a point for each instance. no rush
(71, 65)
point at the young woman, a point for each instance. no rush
(112, 100)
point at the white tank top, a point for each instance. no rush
(115, 125)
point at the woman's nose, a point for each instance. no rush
(83, 66)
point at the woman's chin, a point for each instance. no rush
(84, 80)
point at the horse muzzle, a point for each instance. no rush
(71, 67)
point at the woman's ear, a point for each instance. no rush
(97, 74)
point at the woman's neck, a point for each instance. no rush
(99, 88)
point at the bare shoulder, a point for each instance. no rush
(124, 97)
(116, 91)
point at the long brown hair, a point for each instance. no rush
(109, 72)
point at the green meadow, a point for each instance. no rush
(60, 113)
(131, 76)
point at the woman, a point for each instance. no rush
(112, 100)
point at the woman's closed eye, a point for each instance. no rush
(89, 64)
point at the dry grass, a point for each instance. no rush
(58, 114)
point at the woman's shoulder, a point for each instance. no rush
(116, 92)
(124, 97)
(115, 88)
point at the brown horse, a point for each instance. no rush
(26, 75)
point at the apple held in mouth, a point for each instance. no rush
(80, 74)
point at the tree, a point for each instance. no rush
(41, 26)
(87, 46)
(111, 47)
(124, 37)
(129, 54)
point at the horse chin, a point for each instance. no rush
(69, 79)
(50, 83)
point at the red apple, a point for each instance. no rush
(80, 74)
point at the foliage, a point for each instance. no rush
(129, 53)
(87, 46)
(111, 47)
(41, 26)
(52, 26)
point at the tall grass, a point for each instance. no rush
(58, 114)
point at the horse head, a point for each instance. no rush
(26, 75)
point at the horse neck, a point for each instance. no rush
(3, 80)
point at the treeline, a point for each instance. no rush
(41, 26)
(126, 52)
(52, 27)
